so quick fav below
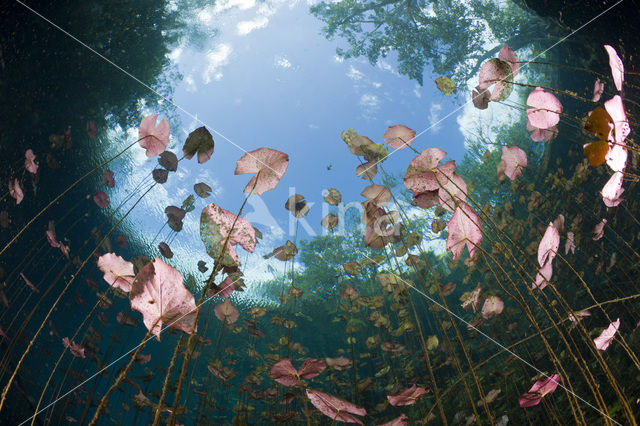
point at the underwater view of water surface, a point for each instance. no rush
(253, 212)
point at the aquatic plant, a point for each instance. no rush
(456, 336)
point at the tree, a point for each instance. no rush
(449, 35)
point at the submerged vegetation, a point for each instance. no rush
(500, 290)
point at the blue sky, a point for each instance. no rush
(270, 79)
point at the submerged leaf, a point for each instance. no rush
(335, 408)
(465, 228)
(606, 337)
(159, 294)
(226, 312)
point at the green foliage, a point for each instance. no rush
(449, 35)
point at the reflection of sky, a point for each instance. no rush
(271, 79)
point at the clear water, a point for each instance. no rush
(292, 76)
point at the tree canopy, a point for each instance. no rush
(449, 35)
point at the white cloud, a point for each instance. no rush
(434, 118)
(174, 55)
(282, 62)
(191, 84)
(369, 101)
(215, 60)
(376, 84)
(416, 91)
(338, 59)
(223, 5)
(370, 104)
(354, 73)
(245, 27)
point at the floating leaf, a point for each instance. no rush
(598, 231)
(330, 221)
(333, 197)
(612, 190)
(159, 295)
(432, 343)
(378, 194)
(297, 205)
(269, 165)
(199, 141)
(107, 179)
(202, 189)
(399, 136)
(480, 98)
(175, 215)
(218, 225)
(165, 250)
(117, 272)
(445, 85)
(101, 199)
(546, 109)
(169, 161)
(510, 57)
(153, 139)
(496, 72)
(285, 252)
(340, 363)
(160, 175)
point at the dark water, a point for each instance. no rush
(49, 85)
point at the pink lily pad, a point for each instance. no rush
(154, 139)
(515, 159)
(408, 396)
(226, 312)
(546, 109)
(30, 162)
(399, 136)
(539, 390)
(218, 225)
(269, 165)
(117, 271)
(335, 408)
(159, 294)
(465, 228)
(606, 337)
